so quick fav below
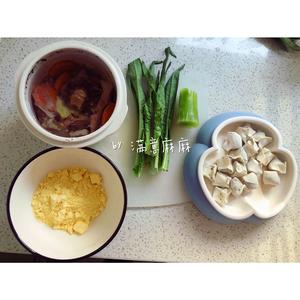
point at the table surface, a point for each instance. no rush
(232, 74)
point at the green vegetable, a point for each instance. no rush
(290, 44)
(170, 95)
(160, 108)
(156, 97)
(188, 109)
(62, 109)
(148, 107)
(135, 76)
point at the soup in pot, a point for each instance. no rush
(73, 100)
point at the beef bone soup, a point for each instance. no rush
(73, 100)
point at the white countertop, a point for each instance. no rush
(232, 74)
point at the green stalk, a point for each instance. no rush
(170, 94)
(147, 110)
(159, 108)
(148, 107)
(188, 109)
(135, 76)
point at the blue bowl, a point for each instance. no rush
(190, 168)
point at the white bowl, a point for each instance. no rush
(39, 238)
(266, 201)
(35, 66)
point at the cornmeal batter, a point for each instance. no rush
(69, 199)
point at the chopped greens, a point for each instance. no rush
(62, 109)
(188, 108)
(155, 97)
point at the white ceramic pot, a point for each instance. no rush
(33, 68)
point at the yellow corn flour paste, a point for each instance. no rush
(69, 199)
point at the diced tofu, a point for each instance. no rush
(245, 132)
(239, 169)
(221, 180)
(251, 180)
(254, 166)
(277, 165)
(225, 165)
(239, 155)
(271, 178)
(232, 141)
(221, 195)
(265, 156)
(251, 148)
(209, 171)
(236, 187)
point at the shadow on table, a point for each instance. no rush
(212, 230)
(273, 44)
(28, 258)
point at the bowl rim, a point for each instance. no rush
(8, 198)
(110, 63)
